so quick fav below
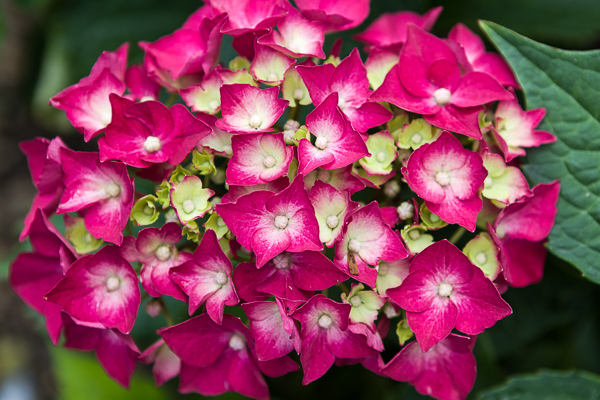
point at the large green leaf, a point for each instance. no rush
(567, 84)
(549, 385)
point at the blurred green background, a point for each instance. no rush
(46, 45)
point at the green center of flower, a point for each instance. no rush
(188, 206)
(380, 157)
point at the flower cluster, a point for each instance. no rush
(314, 222)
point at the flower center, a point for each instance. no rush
(405, 210)
(113, 283)
(189, 206)
(500, 231)
(87, 238)
(163, 253)
(281, 221)
(282, 261)
(333, 221)
(414, 234)
(341, 103)
(113, 190)
(221, 278)
(380, 157)
(416, 138)
(148, 210)
(442, 96)
(355, 301)
(481, 258)
(321, 142)
(434, 218)
(354, 246)
(237, 342)
(152, 144)
(298, 94)
(442, 178)
(255, 121)
(325, 321)
(323, 175)
(269, 162)
(272, 77)
(445, 289)
(220, 222)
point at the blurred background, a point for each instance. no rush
(47, 45)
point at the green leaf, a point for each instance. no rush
(548, 385)
(567, 84)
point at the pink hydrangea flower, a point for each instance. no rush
(258, 159)
(349, 81)
(221, 358)
(325, 336)
(248, 109)
(155, 249)
(338, 15)
(86, 103)
(103, 190)
(269, 224)
(181, 58)
(207, 278)
(337, 144)
(43, 158)
(472, 56)
(446, 372)
(514, 129)
(33, 274)
(142, 134)
(389, 30)
(166, 364)
(274, 332)
(520, 231)
(115, 351)
(100, 290)
(428, 81)
(448, 178)
(296, 36)
(369, 240)
(444, 290)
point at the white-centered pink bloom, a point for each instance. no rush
(100, 290)
(444, 291)
(369, 240)
(269, 224)
(258, 159)
(248, 109)
(448, 178)
(103, 190)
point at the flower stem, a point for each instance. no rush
(457, 235)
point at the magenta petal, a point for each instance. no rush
(100, 288)
(447, 371)
(316, 78)
(198, 341)
(434, 324)
(266, 326)
(476, 88)
(459, 120)
(166, 364)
